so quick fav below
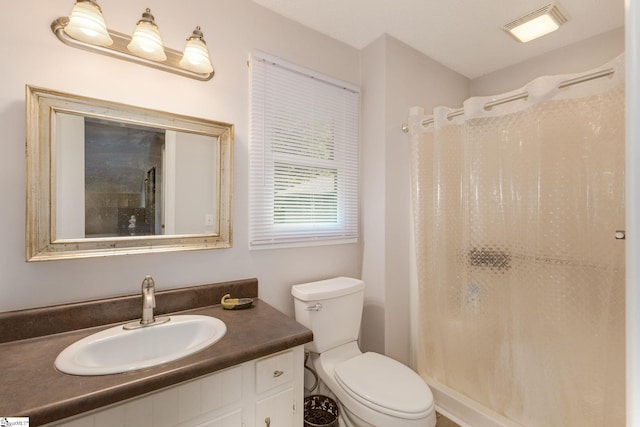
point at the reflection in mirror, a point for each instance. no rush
(121, 166)
(125, 173)
(123, 179)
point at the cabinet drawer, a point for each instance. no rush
(274, 371)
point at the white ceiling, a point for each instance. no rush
(464, 35)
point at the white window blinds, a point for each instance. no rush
(304, 156)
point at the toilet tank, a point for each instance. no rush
(332, 309)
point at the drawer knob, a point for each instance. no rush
(277, 373)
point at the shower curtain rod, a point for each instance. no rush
(522, 95)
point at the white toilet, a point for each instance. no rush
(372, 389)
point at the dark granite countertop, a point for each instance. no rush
(32, 387)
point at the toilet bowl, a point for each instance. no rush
(371, 389)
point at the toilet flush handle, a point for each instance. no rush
(316, 307)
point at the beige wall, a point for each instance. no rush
(574, 58)
(395, 77)
(373, 171)
(232, 29)
(412, 79)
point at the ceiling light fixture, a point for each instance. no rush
(85, 29)
(537, 23)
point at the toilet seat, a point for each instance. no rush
(385, 385)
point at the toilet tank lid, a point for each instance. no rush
(324, 289)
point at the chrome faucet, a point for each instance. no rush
(148, 300)
(148, 304)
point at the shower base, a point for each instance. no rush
(464, 411)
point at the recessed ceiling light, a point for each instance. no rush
(537, 23)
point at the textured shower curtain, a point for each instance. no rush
(520, 277)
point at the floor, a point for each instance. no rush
(445, 422)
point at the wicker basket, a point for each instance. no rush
(320, 411)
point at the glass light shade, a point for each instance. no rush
(535, 28)
(146, 41)
(196, 55)
(87, 24)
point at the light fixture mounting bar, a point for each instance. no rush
(119, 50)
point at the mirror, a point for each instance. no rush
(110, 179)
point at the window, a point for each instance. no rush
(304, 156)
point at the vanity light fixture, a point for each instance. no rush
(85, 29)
(537, 23)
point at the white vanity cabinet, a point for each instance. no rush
(266, 392)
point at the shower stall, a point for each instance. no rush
(518, 219)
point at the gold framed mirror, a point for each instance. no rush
(105, 178)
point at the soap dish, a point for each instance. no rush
(229, 303)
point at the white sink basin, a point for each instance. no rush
(117, 350)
